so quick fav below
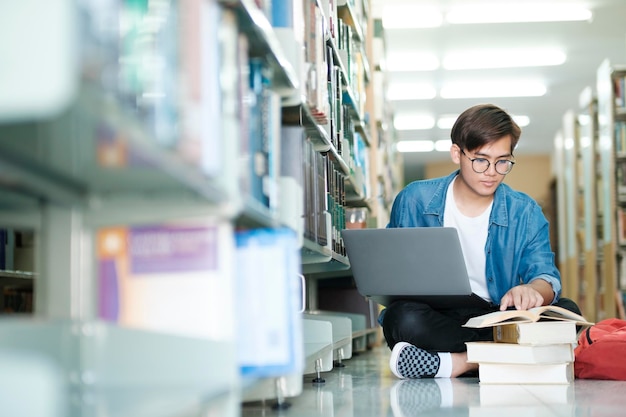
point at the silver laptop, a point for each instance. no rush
(420, 263)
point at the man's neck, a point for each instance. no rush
(468, 202)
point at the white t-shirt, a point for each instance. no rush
(473, 236)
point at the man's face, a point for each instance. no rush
(484, 183)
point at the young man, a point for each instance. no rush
(505, 241)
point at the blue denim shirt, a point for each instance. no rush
(518, 242)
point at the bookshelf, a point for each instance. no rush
(611, 116)
(560, 197)
(338, 137)
(589, 165)
(372, 167)
(386, 162)
(567, 145)
(119, 158)
(17, 279)
(588, 219)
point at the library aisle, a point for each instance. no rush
(365, 387)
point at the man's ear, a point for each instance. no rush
(455, 154)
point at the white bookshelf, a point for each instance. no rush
(341, 333)
(107, 367)
(610, 112)
(318, 346)
(54, 182)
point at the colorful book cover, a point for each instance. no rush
(282, 13)
(170, 278)
(269, 299)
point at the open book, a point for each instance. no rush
(498, 318)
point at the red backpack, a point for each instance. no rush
(601, 351)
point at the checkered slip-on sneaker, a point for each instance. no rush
(408, 361)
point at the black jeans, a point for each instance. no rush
(439, 330)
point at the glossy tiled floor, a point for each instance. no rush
(365, 387)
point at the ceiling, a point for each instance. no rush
(586, 44)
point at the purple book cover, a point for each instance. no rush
(150, 256)
(164, 249)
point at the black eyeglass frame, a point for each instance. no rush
(508, 162)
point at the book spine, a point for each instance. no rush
(3, 248)
(191, 78)
(155, 87)
(292, 184)
(282, 13)
(321, 195)
(560, 373)
(231, 80)
(506, 334)
(258, 118)
(271, 146)
(309, 190)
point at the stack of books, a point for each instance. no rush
(533, 346)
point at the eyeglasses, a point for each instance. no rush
(480, 165)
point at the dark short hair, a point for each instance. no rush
(483, 124)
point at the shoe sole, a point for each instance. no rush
(393, 360)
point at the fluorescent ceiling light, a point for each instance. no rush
(446, 121)
(443, 145)
(415, 146)
(411, 91)
(407, 17)
(413, 122)
(504, 58)
(475, 89)
(410, 61)
(585, 142)
(584, 119)
(521, 120)
(518, 12)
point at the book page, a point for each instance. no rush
(502, 317)
(559, 313)
(524, 316)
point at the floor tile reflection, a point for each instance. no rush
(365, 387)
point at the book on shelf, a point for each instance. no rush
(317, 98)
(329, 9)
(282, 14)
(246, 114)
(310, 228)
(491, 352)
(268, 299)
(234, 109)
(550, 312)
(262, 136)
(271, 146)
(199, 99)
(536, 333)
(254, 154)
(291, 177)
(5, 249)
(173, 278)
(513, 373)
(146, 91)
(16, 299)
(320, 190)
